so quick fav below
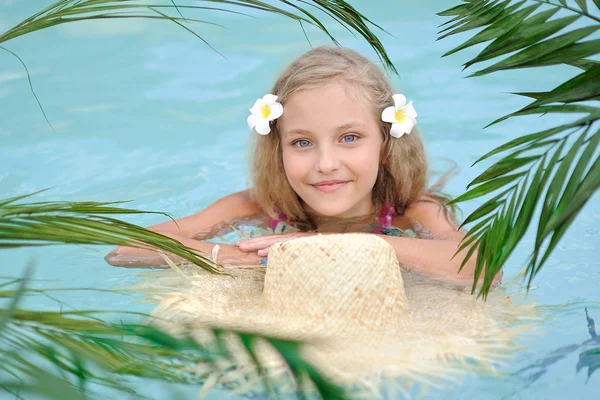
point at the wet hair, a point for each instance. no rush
(402, 176)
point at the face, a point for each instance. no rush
(331, 146)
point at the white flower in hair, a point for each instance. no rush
(263, 112)
(402, 116)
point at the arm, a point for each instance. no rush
(433, 257)
(183, 229)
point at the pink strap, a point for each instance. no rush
(281, 217)
(387, 214)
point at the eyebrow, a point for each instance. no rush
(349, 125)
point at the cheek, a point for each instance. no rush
(293, 166)
(367, 165)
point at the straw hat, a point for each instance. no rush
(345, 296)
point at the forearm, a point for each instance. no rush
(435, 258)
(124, 256)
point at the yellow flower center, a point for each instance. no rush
(265, 111)
(399, 116)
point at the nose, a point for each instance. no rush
(328, 160)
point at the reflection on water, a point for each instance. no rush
(589, 357)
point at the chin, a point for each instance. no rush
(330, 213)
(332, 210)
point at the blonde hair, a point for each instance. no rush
(402, 176)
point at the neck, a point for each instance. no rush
(341, 224)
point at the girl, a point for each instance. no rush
(335, 150)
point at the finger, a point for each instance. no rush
(263, 252)
(250, 242)
(261, 243)
(254, 245)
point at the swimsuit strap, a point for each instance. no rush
(281, 217)
(386, 217)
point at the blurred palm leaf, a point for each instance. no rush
(301, 11)
(86, 352)
(557, 169)
(590, 359)
(44, 223)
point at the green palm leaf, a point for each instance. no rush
(65, 11)
(44, 223)
(556, 170)
(552, 47)
(77, 343)
(83, 350)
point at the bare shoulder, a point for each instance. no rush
(433, 215)
(235, 205)
(240, 200)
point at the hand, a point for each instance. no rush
(231, 255)
(262, 244)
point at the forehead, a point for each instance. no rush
(327, 107)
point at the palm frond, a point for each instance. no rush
(65, 11)
(44, 223)
(49, 353)
(556, 170)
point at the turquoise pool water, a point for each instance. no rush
(145, 111)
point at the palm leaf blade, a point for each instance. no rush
(74, 10)
(74, 341)
(571, 55)
(528, 56)
(538, 136)
(502, 167)
(487, 15)
(497, 29)
(529, 32)
(550, 109)
(83, 223)
(584, 86)
(574, 195)
(583, 5)
(487, 187)
(469, 9)
(487, 207)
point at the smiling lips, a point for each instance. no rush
(329, 186)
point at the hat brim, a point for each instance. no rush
(445, 332)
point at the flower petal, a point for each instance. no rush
(405, 126)
(252, 121)
(389, 114)
(399, 100)
(276, 111)
(262, 126)
(396, 131)
(269, 98)
(258, 104)
(409, 110)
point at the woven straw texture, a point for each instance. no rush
(362, 319)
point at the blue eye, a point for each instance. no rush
(349, 138)
(302, 143)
